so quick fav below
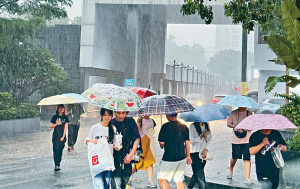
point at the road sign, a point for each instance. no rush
(129, 83)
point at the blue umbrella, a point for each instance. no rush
(77, 97)
(239, 101)
(205, 113)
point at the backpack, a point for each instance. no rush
(241, 134)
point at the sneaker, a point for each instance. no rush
(57, 168)
(151, 185)
(229, 176)
(69, 149)
(248, 181)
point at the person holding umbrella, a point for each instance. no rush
(59, 124)
(264, 143)
(240, 142)
(127, 127)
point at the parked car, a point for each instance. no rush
(270, 105)
(194, 99)
(217, 98)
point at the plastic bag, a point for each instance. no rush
(277, 157)
(100, 157)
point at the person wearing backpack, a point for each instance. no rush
(240, 142)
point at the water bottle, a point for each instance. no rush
(267, 147)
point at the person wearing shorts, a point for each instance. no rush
(240, 143)
(174, 138)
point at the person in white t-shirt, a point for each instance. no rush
(99, 130)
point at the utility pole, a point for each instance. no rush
(244, 63)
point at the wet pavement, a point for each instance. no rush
(26, 161)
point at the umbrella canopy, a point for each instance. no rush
(113, 97)
(205, 113)
(239, 101)
(266, 121)
(77, 97)
(164, 105)
(143, 92)
(56, 100)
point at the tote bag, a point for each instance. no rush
(277, 157)
(100, 157)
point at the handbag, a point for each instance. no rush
(277, 157)
(100, 157)
(241, 134)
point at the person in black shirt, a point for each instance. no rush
(266, 170)
(59, 124)
(174, 138)
(122, 157)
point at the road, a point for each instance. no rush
(26, 161)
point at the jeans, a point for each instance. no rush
(72, 134)
(102, 180)
(121, 176)
(198, 172)
(58, 148)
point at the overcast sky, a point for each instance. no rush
(75, 10)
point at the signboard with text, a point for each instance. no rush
(129, 83)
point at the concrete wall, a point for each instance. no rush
(19, 126)
(63, 42)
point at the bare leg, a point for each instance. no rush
(163, 184)
(180, 185)
(232, 164)
(247, 164)
(150, 172)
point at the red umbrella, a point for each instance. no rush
(143, 92)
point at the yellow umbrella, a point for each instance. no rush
(57, 99)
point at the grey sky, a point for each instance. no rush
(75, 10)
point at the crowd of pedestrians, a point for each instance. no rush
(182, 145)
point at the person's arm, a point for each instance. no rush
(282, 143)
(230, 122)
(207, 145)
(255, 149)
(52, 125)
(161, 136)
(187, 152)
(129, 156)
(65, 132)
(53, 122)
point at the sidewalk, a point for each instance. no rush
(26, 162)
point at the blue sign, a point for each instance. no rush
(129, 82)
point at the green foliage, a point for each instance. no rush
(198, 6)
(263, 13)
(287, 46)
(37, 8)
(291, 110)
(10, 111)
(26, 70)
(5, 100)
(295, 142)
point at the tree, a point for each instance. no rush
(189, 55)
(263, 13)
(26, 70)
(46, 9)
(287, 46)
(231, 59)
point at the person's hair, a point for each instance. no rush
(198, 128)
(111, 133)
(61, 106)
